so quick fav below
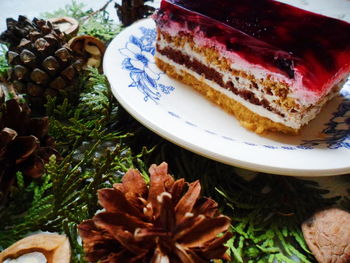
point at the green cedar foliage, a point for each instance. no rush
(94, 156)
(96, 23)
(3, 62)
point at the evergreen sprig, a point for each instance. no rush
(93, 118)
(74, 9)
(101, 26)
(64, 196)
(95, 23)
(97, 96)
(94, 157)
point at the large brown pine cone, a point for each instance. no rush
(165, 222)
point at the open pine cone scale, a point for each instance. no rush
(25, 145)
(16, 116)
(167, 222)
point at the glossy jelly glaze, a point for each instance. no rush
(280, 38)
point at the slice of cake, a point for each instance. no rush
(270, 64)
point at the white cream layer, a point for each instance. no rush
(258, 109)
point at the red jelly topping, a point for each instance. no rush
(279, 37)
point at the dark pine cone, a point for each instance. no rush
(41, 63)
(165, 222)
(24, 143)
(131, 10)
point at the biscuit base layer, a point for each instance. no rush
(246, 117)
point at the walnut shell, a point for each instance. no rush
(90, 48)
(56, 248)
(327, 234)
(67, 25)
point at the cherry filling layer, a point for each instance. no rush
(311, 51)
(215, 76)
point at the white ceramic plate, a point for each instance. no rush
(184, 117)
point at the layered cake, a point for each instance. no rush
(272, 65)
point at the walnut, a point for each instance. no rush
(67, 25)
(89, 48)
(56, 248)
(327, 234)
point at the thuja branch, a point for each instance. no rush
(96, 23)
(96, 12)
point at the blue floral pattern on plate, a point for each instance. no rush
(139, 61)
(146, 77)
(337, 131)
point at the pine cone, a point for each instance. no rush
(24, 143)
(167, 222)
(131, 10)
(2, 101)
(41, 63)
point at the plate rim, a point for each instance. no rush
(210, 154)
